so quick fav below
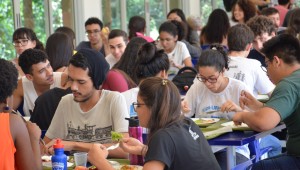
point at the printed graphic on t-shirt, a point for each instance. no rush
(89, 133)
(239, 76)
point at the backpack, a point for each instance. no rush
(184, 79)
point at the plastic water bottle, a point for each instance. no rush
(136, 132)
(59, 159)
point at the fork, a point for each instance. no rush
(112, 147)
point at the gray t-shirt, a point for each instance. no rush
(71, 123)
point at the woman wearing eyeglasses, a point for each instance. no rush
(23, 39)
(215, 96)
(174, 142)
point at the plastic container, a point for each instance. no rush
(136, 132)
(59, 159)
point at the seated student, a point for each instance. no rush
(283, 64)
(150, 63)
(249, 71)
(170, 35)
(39, 77)
(174, 142)
(273, 14)
(137, 28)
(121, 78)
(263, 29)
(19, 141)
(215, 95)
(89, 114)
(117, 41)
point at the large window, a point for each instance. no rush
(6, 31)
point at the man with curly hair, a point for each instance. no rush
(263, 29)
(39, 77)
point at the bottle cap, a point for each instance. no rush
(133, 122)
(58, 144)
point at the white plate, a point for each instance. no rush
(137, 167)
(231, 124)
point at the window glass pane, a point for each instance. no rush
(63, 14)
(33, 16)
(206, 8)
(111, 13)
(7, 28)
(157, 16)
(175, 4)
(135, 7)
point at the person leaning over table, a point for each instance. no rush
(215, 96)
(174, 142)
(89, 114)
(283, 67)
(19, 144)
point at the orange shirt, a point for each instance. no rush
(7, 146)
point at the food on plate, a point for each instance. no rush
(115, 136)
(81, 168)
(129, 167)
(46, 158)
(93, 168)
(208, 121)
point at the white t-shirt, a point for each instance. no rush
(30, 94)
(178, 55)
(201, 100)
(71, 123)
(249, 71)
(111, 60)
(130, 97)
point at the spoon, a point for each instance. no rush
(112, 147)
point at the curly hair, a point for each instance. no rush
(248, 8)
(261, 24)
(30, 57)
(9, 79)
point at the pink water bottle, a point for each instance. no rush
(136, 132)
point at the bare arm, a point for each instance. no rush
(18, 95)
(188, 62)
(154, 165)
(264, 119)
(27, 147)
(85, 147)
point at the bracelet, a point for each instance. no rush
(144, 149)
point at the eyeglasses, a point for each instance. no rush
(210, 80)
(90, 32)
(136, 105)
(20, 42)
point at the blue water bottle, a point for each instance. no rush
(59, 159)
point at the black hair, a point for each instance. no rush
(174, 28)
(179, 12)
(151, 61)
(239, 36)
(67, 31)
(27, 33)
(217, 27)
(94, 61)
(269, 11)
(284, 46)
(118, 33)
(214, 57)
(59, 49)
(136, 24)
(129, 57)
(283, 2)
(30, 57)
(9, 79)
(94, 20)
